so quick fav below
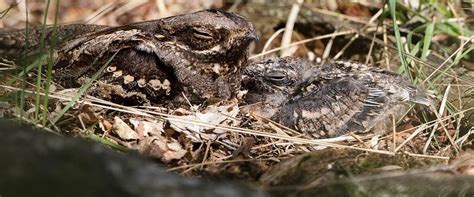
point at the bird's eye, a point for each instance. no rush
(276, 77)
(202, 34)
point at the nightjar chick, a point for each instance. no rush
(199, 55)
(327, 100)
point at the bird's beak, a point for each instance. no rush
(252, 36)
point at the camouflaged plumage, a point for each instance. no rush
(327, 100)
(199, 55)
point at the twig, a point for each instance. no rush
(290, 23)
(441, 111)
(448, 59)
(313, 39)
(270, 40)
(417, 131)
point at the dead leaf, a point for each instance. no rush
(123, 130)
(165, 149)
(107, 125)
(193, 125)
(88, 116)
(147, 128)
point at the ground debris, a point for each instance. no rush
(192, 127)
(188, 140)
(124, 131)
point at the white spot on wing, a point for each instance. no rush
(216, 68)
(146, 47)
(128, 79)
(216, 48)
(159, 36)
(141, 83)
(117, 73)
(111, 69)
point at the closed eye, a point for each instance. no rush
(202, 34)
(277, 78)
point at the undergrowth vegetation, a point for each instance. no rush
(429, 41)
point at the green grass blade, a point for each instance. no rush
(449, 28)
(49, 70)
(106, 142)
(392, 5)
(413, 51)
(23, 82)
(455, 62)
(39, 76)
(25, 69)
(82, 90)
(427, 40)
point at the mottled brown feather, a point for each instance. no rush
(199, 54)
(327, 100)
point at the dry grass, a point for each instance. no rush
(274, 141)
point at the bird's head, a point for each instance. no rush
(211, 47)
(205, 49)
(274, 80)
(210, 34)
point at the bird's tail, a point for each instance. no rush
(418, 96)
